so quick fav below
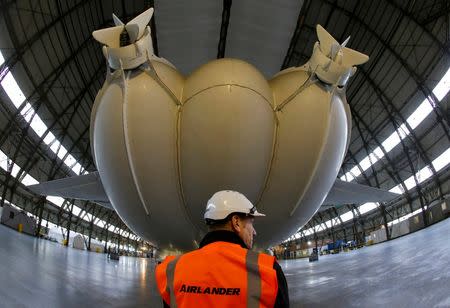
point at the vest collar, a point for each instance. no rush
(222, 236)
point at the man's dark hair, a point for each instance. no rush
(213, 224)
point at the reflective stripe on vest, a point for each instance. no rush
(170, 272)
(189, 284)
(253, 279)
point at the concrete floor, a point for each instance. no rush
(410, 271)
(39, 273)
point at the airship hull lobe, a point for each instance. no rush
(227, 131)
(135, 140)
(311, 144)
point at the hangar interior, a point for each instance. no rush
(51, 70)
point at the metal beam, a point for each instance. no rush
(224, 28)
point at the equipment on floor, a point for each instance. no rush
(78, 242)
(314, 256)
(113, 255)
(18, 220)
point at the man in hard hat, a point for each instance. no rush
(224, 272)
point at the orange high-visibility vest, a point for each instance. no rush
(220, 274)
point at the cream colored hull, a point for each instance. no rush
(164, 144)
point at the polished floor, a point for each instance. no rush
(410, 271)
(39, 273)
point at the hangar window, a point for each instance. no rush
(76, 210)
(58, 201)
(347, 216)
(424, 109)
(367, 207)
(442, 88)
(442, 161)
(12, 89)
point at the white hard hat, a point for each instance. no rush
(225, 202)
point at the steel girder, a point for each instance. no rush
(389, 107)
(224, 28)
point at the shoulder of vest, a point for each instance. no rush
(266, 259)
(221, 244)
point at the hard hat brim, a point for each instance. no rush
(257, 214)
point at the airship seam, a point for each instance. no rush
(308, 82)
(185, 208)
(151, 71)
(228, 84)
(127, 140)
(272, 159)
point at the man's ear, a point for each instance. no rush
(235, 222)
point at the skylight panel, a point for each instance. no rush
(62, 152)
(410, 182)
(373, 158)
(15, 170)
(3, 161)
(100, 223)
(70, 160)
(27, 112)
(55, 146)
(76, 210)
(367, 207)
(391, 142)
(12, 89)
(403, 131)
(17, 97)
(442, 160)
(419, 114)
(365, 163)
(49, 138)
(378, 152)
(397, 189)
(87, 217)
(2, 60)
(58, 201)
(77, 168)
(417, 117)
(442, 88)
(29, 180)
(347, 216)
(38, 126)
(355, 171)
(348, 177)
(424, 174)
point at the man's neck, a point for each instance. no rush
(222, 235)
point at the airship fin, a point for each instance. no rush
(109, 36)
(137, 25)
(352, 193)
(331, 62)
(135, 28)
(117, 20)
(84, 187)
(338, 52)
(326, 40)
(351, 57)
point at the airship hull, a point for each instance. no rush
(162, 149)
